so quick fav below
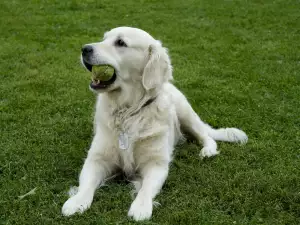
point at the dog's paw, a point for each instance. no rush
(141, 209)
(236, 135)
(76, 204)
(208, 151)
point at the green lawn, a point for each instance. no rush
(238, 62)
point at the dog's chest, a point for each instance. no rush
(127, 152)
(128, 131)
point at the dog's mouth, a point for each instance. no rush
(102, 75)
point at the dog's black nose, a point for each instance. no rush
(87, 50)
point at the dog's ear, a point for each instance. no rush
(158, 68)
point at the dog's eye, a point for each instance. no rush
(120, 43)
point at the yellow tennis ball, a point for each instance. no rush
(102, 72)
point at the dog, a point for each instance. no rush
(138, 120)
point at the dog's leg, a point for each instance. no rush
(202, 131)
(154, 174)
(95, 169)
(197, 128)
(190, 121)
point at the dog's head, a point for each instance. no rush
(137, 59)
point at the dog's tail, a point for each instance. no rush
(227, 134)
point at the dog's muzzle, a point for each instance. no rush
(96, 84)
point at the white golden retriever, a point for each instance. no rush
(138, 118)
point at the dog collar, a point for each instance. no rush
(146, 104)
(149, 102)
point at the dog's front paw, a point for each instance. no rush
(141, 209)
(77, 203)
(208, 151)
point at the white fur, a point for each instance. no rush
(143, 72)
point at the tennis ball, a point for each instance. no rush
(102, 72)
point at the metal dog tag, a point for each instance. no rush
(123, 141)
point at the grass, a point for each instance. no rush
(238, 63)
